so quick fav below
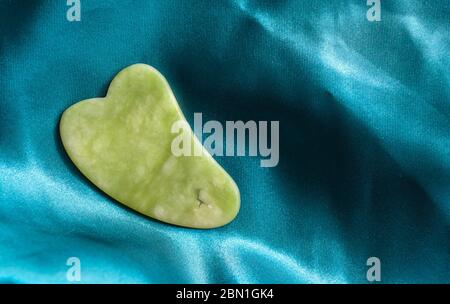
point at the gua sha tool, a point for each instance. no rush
(122, 143)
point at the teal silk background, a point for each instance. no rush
(364, 111)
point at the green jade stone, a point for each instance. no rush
(122, 144)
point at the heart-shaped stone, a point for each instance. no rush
(122, 143)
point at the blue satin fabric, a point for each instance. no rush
(364, 113)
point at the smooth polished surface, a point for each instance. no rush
(364, 139)
(123, 143)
